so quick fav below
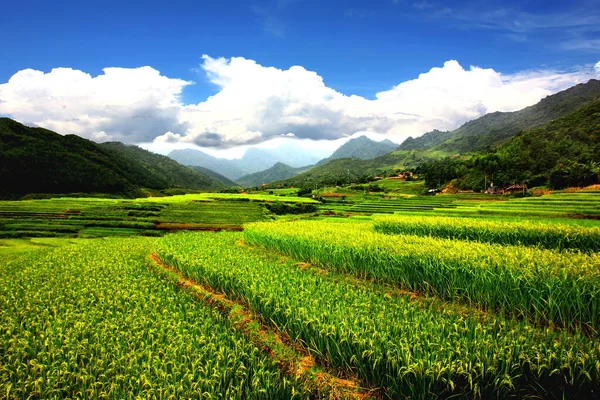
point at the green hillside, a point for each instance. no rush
(215, 175)
(352, 169)
(277, 172)
(495, 128)
(36, 160)
(361, 147)
(479, 135)
(565, 152)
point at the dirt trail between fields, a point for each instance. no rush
(292, 358)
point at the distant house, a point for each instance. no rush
(510, 189)
(513, 189)
(403, 175)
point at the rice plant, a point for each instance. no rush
(548, 287)
(411, 348)
(527, 233)
(91, 321)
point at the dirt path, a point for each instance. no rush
(291, 357)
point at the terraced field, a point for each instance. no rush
(394, 342)
(92, 321)
(402, 305)
(581, 205)
(86, 217)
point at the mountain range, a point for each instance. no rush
(361, 147)
(560, 154)
(254, 159)
(495, 128)
(36, 160)
(482, 134)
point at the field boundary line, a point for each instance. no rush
(387, 290)
(292, 358)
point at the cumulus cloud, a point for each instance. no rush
(127, 104)
(255, 103)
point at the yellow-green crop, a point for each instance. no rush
(529, 233)
(92, 321)
(541, 285)
(418, 349)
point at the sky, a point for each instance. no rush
(225, 75)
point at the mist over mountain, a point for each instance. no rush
(192, 157)
(255, 159)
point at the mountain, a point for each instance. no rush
(296, 156)
(198, 158)
(215, 175)
(496, 128)
(563, 153)
(344, 170)
(255, 159)
(277, 172)
(428, 139)
(363, 148)
(486, 132)
(36, 160)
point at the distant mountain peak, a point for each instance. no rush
(363, 148)
(255, 159)
(277, 172)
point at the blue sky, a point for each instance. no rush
(358, 47)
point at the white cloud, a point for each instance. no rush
(597, 68)
(267, 101)
(131, 105)
(255, 104)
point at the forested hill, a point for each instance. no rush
(480, 135)
(361, 147)
(219, 177)
(563, 153)
(36, 160)
(496, 128)
(277, 172)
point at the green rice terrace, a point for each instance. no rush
(272, 296)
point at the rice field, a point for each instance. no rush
(579, 205)
(437, 297)
(523, 233)
(89, 217)
(92, 321)
(407, 347)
